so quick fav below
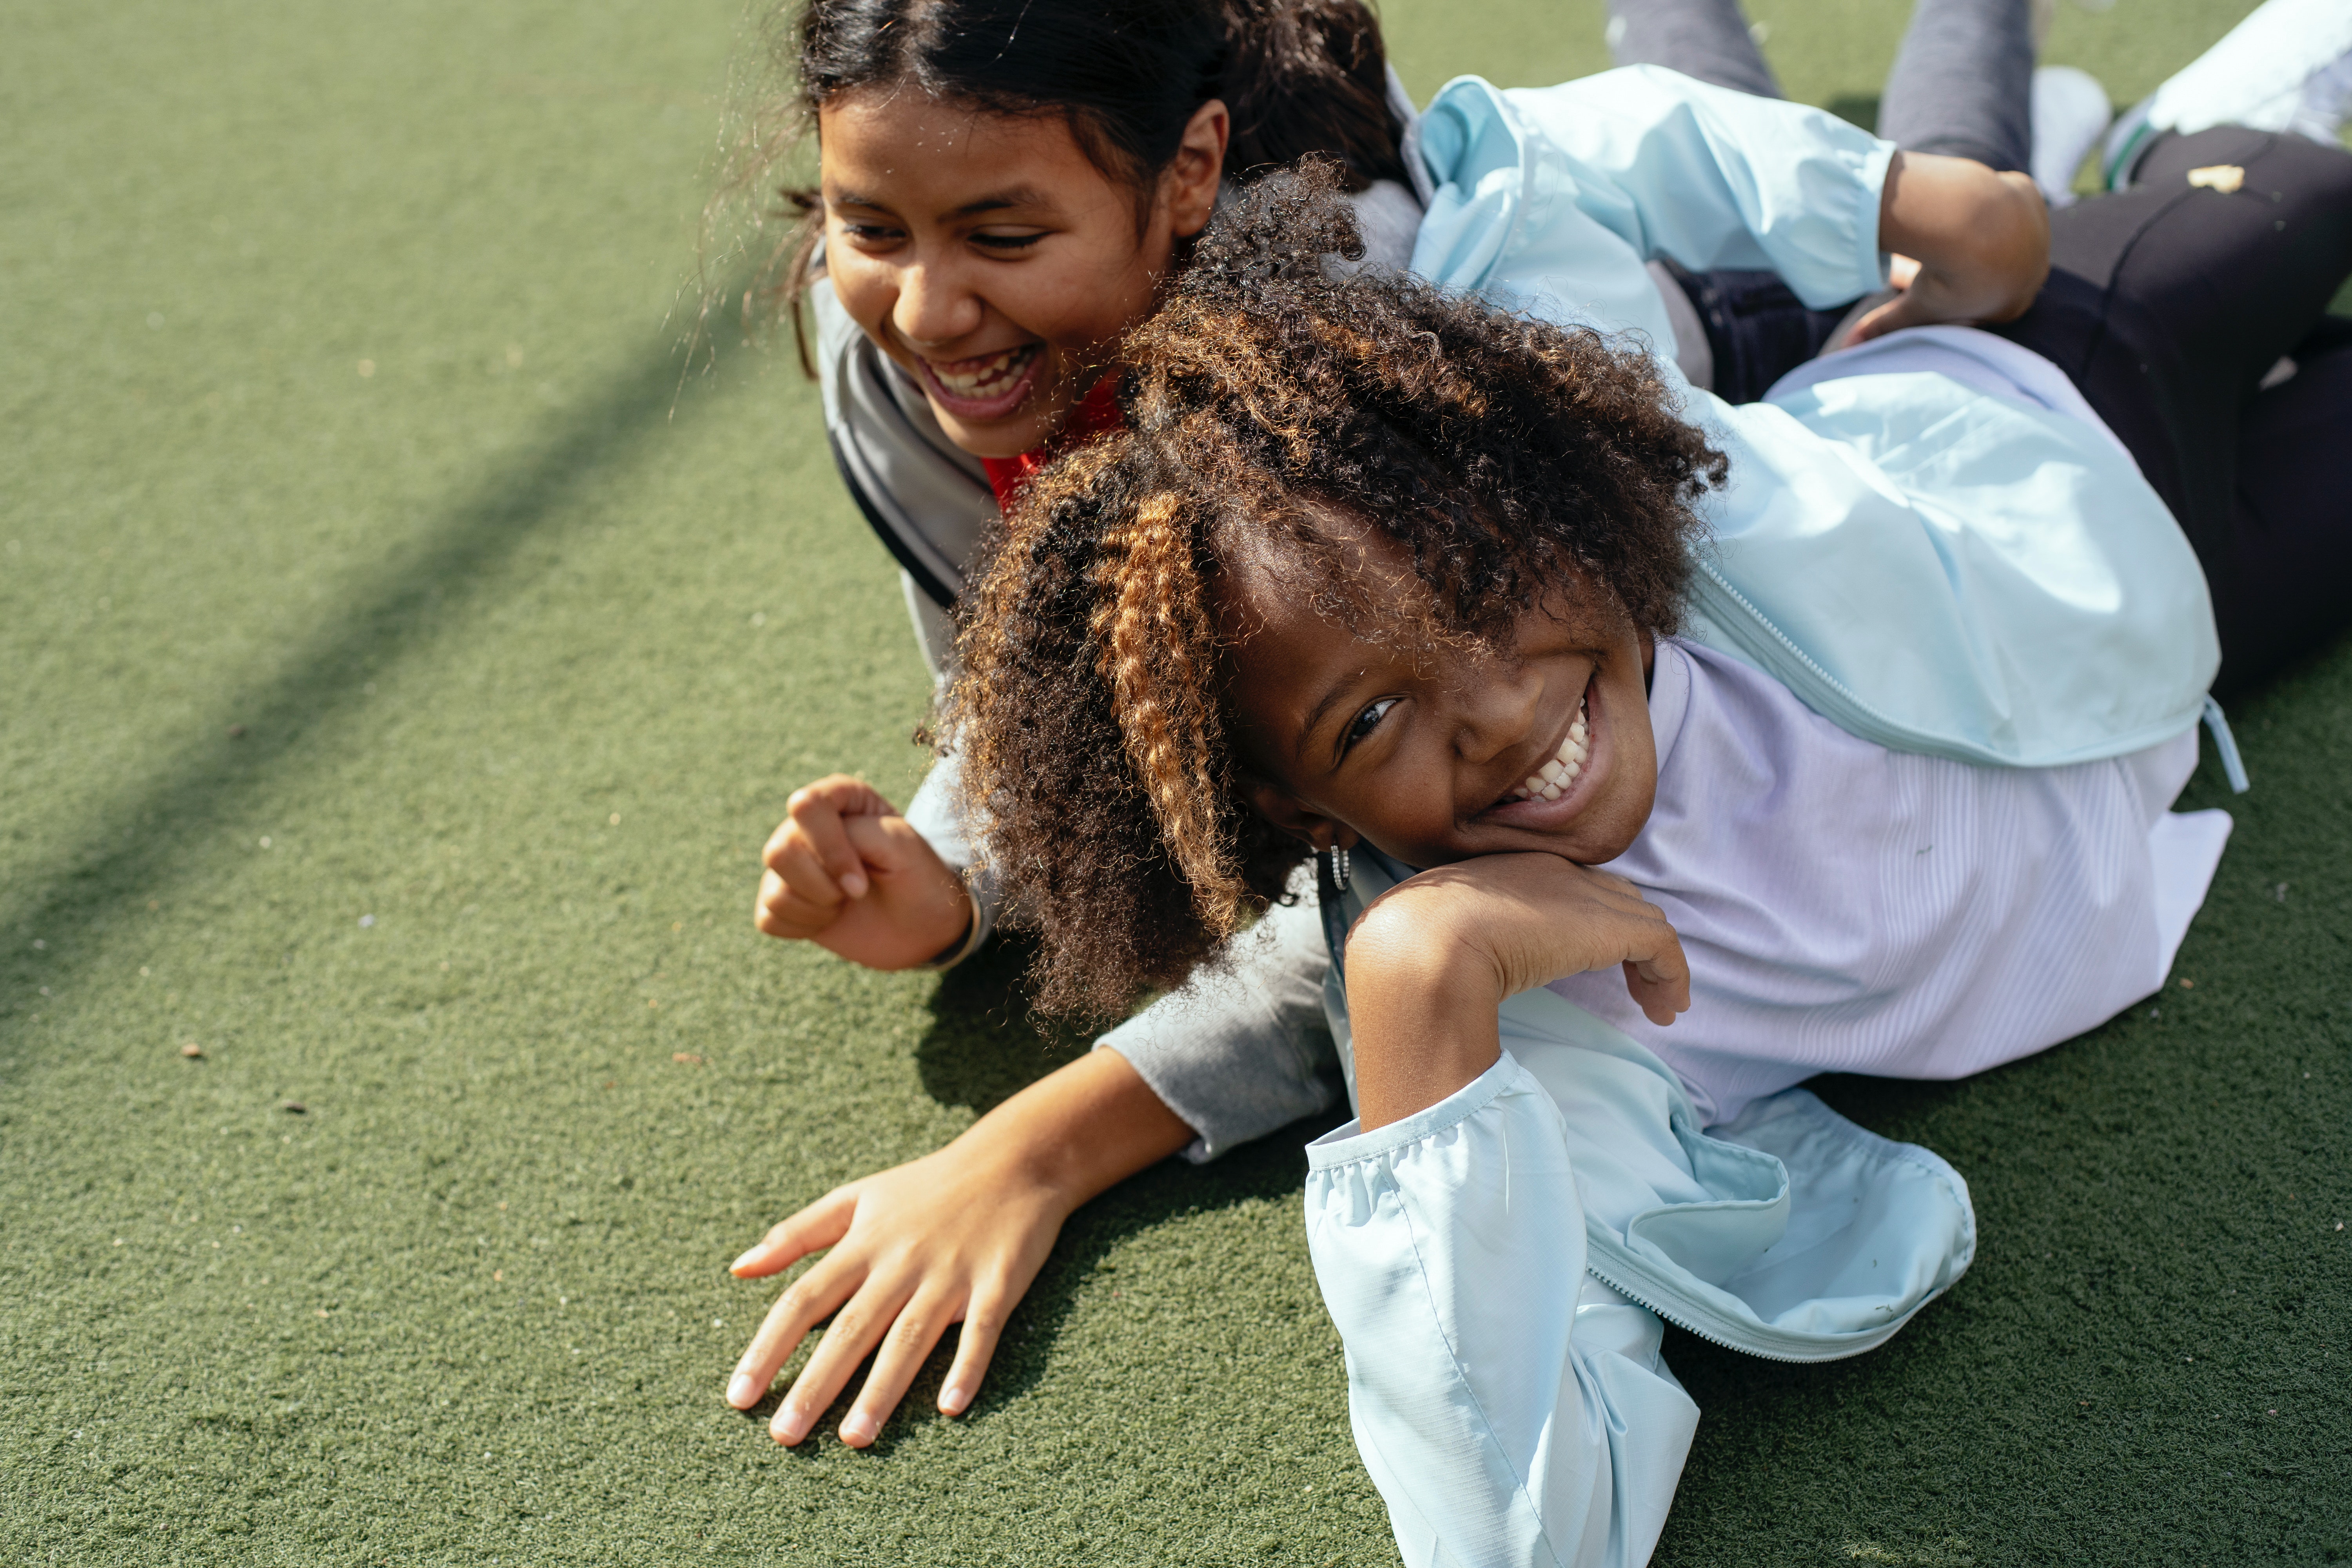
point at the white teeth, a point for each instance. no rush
(979, 381)
(1552, 781)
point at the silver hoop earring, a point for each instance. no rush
(1334, 863)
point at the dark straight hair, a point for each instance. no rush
(1297, 76)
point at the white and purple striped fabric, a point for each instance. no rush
(1849, 909)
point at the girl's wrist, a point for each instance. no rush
(967, 938)
(1075, 1132)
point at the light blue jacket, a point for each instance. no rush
(1931, 567)
(1934, 568)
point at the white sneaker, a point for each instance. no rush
(2327, 100)
(2257, 77)
(2069, 113)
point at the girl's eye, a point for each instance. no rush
(1366, 722)
(1006, 241)
(871, 234)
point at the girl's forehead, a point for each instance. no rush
(903, 136)
(1327, 567)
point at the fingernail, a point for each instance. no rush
(739, 1262)
(858, 1429)
(741, 1391)
(853, 885)
(788, 1427)
(953, 1400)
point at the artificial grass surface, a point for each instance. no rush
(343, 405)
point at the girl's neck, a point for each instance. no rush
(1096, 414)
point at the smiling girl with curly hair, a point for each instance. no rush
(1649, 774)
(1414, 467)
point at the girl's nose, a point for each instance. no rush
(933, 309)
(1498, 706)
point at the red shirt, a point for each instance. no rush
(1095, 415)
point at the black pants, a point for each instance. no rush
(2166, 305)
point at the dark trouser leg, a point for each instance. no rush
(1704, 38)
(2291, 521)
(2165, 305)
(1962, 84)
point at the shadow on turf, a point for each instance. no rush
(983, 1046)
(136, 848)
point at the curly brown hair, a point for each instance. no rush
(1504, 457)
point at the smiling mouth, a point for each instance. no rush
(1552, 780)
(986, 385)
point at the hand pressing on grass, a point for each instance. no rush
(848, 873)
(956, 1236)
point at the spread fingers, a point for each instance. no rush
(796, 1311)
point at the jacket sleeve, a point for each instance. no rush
(1553, 198)
(1244, 1048)
(1512, 1409)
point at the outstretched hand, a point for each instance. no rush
(848, 873)
(953, 1237)
(957, 1237)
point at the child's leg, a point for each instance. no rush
(1708, 39)
(2291, 525)
(2167, 304)
(1963, 82)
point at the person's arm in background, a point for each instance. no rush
(1980, 242)
(1642, 164)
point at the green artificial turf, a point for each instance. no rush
(404, 658)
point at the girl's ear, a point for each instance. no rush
(1189, 183)
(1282, 808)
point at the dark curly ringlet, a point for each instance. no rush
(1509, 459)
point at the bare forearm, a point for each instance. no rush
(1083, 1129)
(1422, 1021)
(1982, 237)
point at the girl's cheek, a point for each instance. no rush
(862, 286)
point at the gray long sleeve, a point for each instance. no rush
(1244, 1048)
(1240, 1050)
